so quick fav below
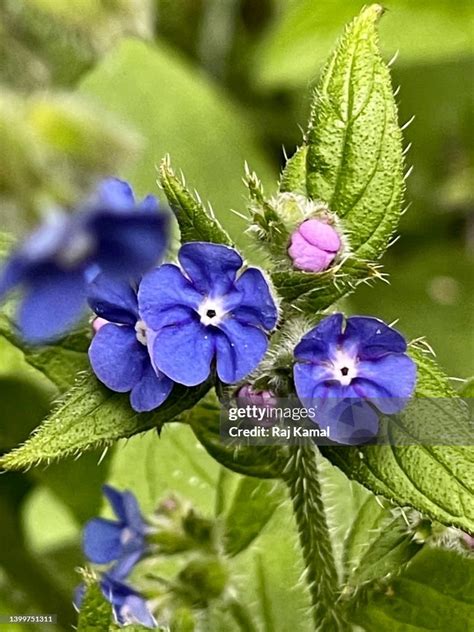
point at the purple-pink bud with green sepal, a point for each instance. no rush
(314, 245)
(265, 399)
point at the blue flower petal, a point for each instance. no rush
(126, 508)
(387, 381)
(373, 337)
(114, 590)
(116, 501)
(164, 289)
(128, 243)
(178, 316)
(128, 605)
(316, 345)
(350, 421)
(101, 540)
(149, 203)
(184, 352)
(212, 268)
(308, 378)
(114, 193)
(257, 306)
(127, 561)
(133, 516)
(117, 358)
(52, 304)
(150, 391)
(113, 299)
(240, 348)
(135, 610)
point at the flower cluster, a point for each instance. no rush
(120, 544)
(179, 323)
(205, 317)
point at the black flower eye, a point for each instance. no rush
(211, 313)
(344, 370)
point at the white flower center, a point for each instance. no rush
(344, 368)
(211, 311)
(140, 330)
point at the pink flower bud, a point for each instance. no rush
(314, 245)
(468, 541)
(97, 323)
(265, 399)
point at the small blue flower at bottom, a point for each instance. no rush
(123, 540)
(128, 605)
(118, 353)
(110, 232)
(346, 371)
(204, 311)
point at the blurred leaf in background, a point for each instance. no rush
(180, 112)
(297, 44)
(54, 42)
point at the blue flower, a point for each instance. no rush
(345, 371)
(121, 541)
(111, 232)
(205, 311)
(118, 353)
(128, 605)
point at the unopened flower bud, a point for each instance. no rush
(265, 399)
(468, 541)
(314, 245)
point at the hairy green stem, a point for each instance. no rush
(302, 477)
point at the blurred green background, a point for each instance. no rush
(95, 87)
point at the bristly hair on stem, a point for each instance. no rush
(302, 477)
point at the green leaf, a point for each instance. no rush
(85, 475)
(294, 48)
(172, 464)
(55, 146)
(61, 362)
(96, 611)
(269, 577)
(380, 542)
(7, 242)
(293, 177)
(90, 416)
(433, 593)
(355, 161)
(181, 113)
(259, 461)
(195, 222)
(311, 293)
(467, 389)
(435, 479)
(253, 505)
